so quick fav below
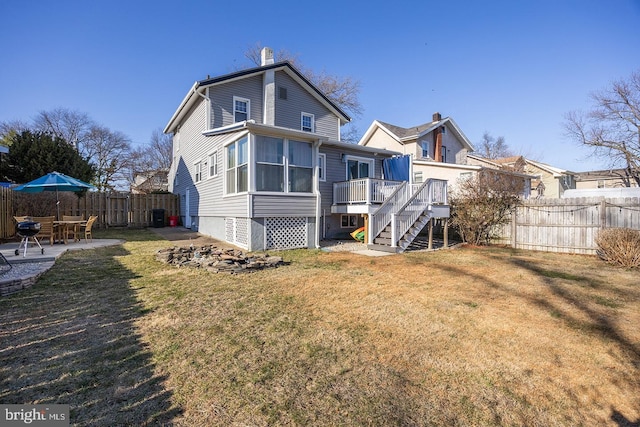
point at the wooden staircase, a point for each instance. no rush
(409, 215)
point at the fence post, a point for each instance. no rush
(603, 214)
(514, 228)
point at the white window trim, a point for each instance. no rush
(197, 163)
(247, 101)
(322, 158)
(214, 155)
(313, 122)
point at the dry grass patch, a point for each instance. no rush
(466, 337)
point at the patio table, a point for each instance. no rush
(65, 226)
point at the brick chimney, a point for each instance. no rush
(437, 136)
(266, 56)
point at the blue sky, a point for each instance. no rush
(512, 68)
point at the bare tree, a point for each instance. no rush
(484, 202)
(612, 127)
(72, 126)
(109, 153)
(160, 150)
(342, 91)
(493, 148)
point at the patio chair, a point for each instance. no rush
(47, 230)
(87, 228)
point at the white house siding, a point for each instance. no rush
(222, 100)
(189, 149)
(451, 173)
(268, 205)
(288, 112)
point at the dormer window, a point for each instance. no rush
(307, 122)
(240, 109)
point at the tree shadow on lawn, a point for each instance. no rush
(71, 339)
(596, 322)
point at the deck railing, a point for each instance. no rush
(363, 190)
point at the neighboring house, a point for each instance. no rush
(547, 181)
(609, 178)
(150, 182)
(258, 162)
(439, 149)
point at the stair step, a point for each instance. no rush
(382, 248)
(382, 241)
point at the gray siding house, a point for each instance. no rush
(258, 162)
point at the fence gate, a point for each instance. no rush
(117, 210)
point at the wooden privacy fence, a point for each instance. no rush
(7, 225)
(112, 209)
(568, 225)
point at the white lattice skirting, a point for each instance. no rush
(237, 231)
(285, 233)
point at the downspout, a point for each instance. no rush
(316, 190)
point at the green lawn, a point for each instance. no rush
(483, 336)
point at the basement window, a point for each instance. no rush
(348, 221)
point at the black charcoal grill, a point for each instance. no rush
(28, 230)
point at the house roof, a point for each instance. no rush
(505, 161)
(601, 174)
(406, 135)
(198, 87)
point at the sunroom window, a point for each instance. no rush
(283, 165)
(269, 164)
(237, 175)
(300, 167)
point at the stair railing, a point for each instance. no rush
(382, 216)
(432, 191)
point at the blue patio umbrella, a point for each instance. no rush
(54, 181)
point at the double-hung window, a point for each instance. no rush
(237, 166)
(240, 109)
(213, 164)
(425, 149)
(322, 165)
(307, 122)
(197, 171)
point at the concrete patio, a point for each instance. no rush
(25, 269)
